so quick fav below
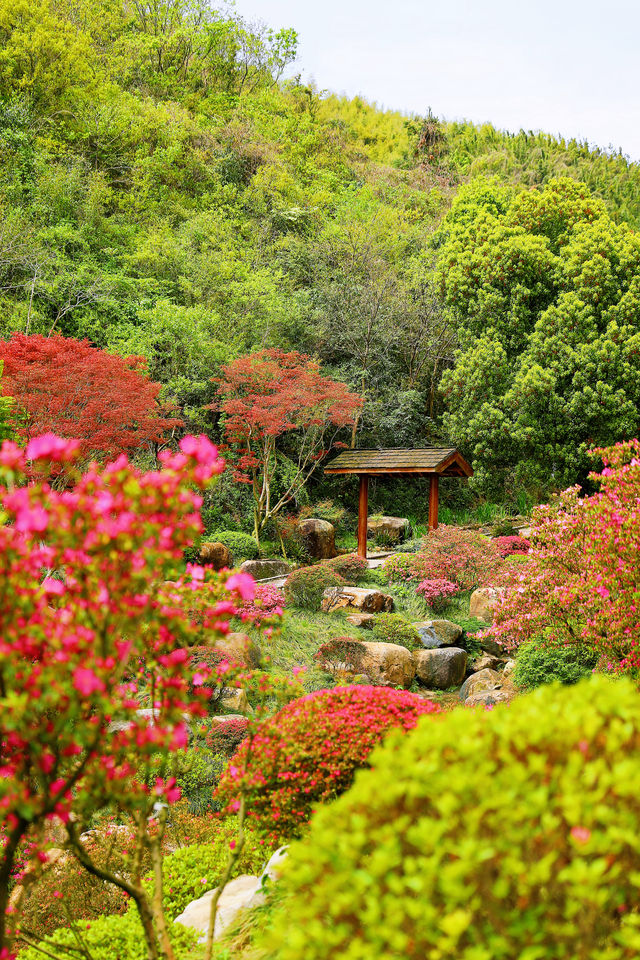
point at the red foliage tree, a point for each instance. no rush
(72, 389)
(268, 395)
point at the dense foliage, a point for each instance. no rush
(543, 286)
(510, 833)
(539, 662)
(308, 752)
(304, 587)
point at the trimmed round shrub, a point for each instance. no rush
(539, 662)
(308, 753)
(490, 835)
(304, 587)
(112, 938)
(394, 628)
(241, 545)
(349, 565)
(437, 593)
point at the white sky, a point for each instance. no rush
(561, 66)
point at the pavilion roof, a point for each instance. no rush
(444, 461)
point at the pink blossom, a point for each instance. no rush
(50, 447)
(86, 682)
(581, 835)
(243, 583)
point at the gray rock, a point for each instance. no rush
(236, 896)
(482, 602)
(438, 633)
(479, 682)
(266, 569)
(441, 668)
(486, 662)
(492, 647)
(509, 667)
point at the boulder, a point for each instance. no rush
(479, 682)
(236, 896)
(438, 633)
(483, 602)
(266, 569)
(387, 664)
(442, 668)
(508, 669)
(486, 662)
(364, 620)
(215, 555)
(492, 647)
(394, 529)
(360, 598)
(319, 538)
(240, 648)
(234, 700)
(489, 698)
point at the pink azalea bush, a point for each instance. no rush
(437, 593)
(92, 615)
(267, 603)
(308, 753)
(464, 557)
(581, 580)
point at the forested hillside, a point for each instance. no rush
(165, 193)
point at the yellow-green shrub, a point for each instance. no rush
(485, 835)
(112, 938)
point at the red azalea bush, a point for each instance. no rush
(581, 581)
(78, 649)
(437, 593)
(308, 753)
(465, 557)
(226, 733)
(507, 546)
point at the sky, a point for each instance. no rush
(562, 66)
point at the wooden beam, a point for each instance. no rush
(433, 501)
(363, 510)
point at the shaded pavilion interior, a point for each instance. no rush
(435, 462)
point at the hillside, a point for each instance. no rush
(164, 193)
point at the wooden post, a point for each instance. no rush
(433, 501)
(363, 509)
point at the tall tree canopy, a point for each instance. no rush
(72, 389)
(545, 291)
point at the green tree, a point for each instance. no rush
(544, 290)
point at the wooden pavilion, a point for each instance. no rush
(435, 461)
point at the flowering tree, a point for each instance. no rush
(91, 627)
(581, 580)
(272, 395)
(72, 389)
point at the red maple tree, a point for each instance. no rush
(67, 387)
(270, 394)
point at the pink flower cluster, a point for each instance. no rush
(267, 604)
(308, 752)
(463, 557)
(581, 580)
(437, 593)
(76, 647)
